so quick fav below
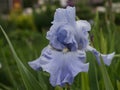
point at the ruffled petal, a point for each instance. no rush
(82, 28)
(63, 67)
(35, 65)
(70, 40)
(52, 36)
(62, 36)
(42, 60)
(83, 25)
(64, 15)
(107, 59)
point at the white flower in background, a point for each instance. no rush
(27, 11)
(63, 3)
(40, 2)
(101, 9)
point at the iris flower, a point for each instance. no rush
(65, 56)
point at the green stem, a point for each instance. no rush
(58, 88)
(67, 87)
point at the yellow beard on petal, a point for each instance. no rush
(65, 50)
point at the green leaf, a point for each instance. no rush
(106, 78)
(94, 32)
(112, 42)
(93, 76)
(118, 85)
(8, 71)
(103, 42)
(29, 80)
(4, 87)
(84, 81)
(41, 79)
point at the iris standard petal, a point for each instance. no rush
(61, 35)
(64, 15)
(82, 28)
(70, 40)
(83, 25)
(107, 59)
(66, 39)
(64, 20)
(52, 36)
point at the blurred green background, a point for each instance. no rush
(26, 23)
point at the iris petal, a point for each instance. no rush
(62, 37)
(82, 28)
(64, 21)
(107, 59)
(64, 15)
(83, 25)
(63, 67)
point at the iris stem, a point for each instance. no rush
(67, 87)
(58, 88)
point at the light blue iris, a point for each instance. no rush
(73, 35)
